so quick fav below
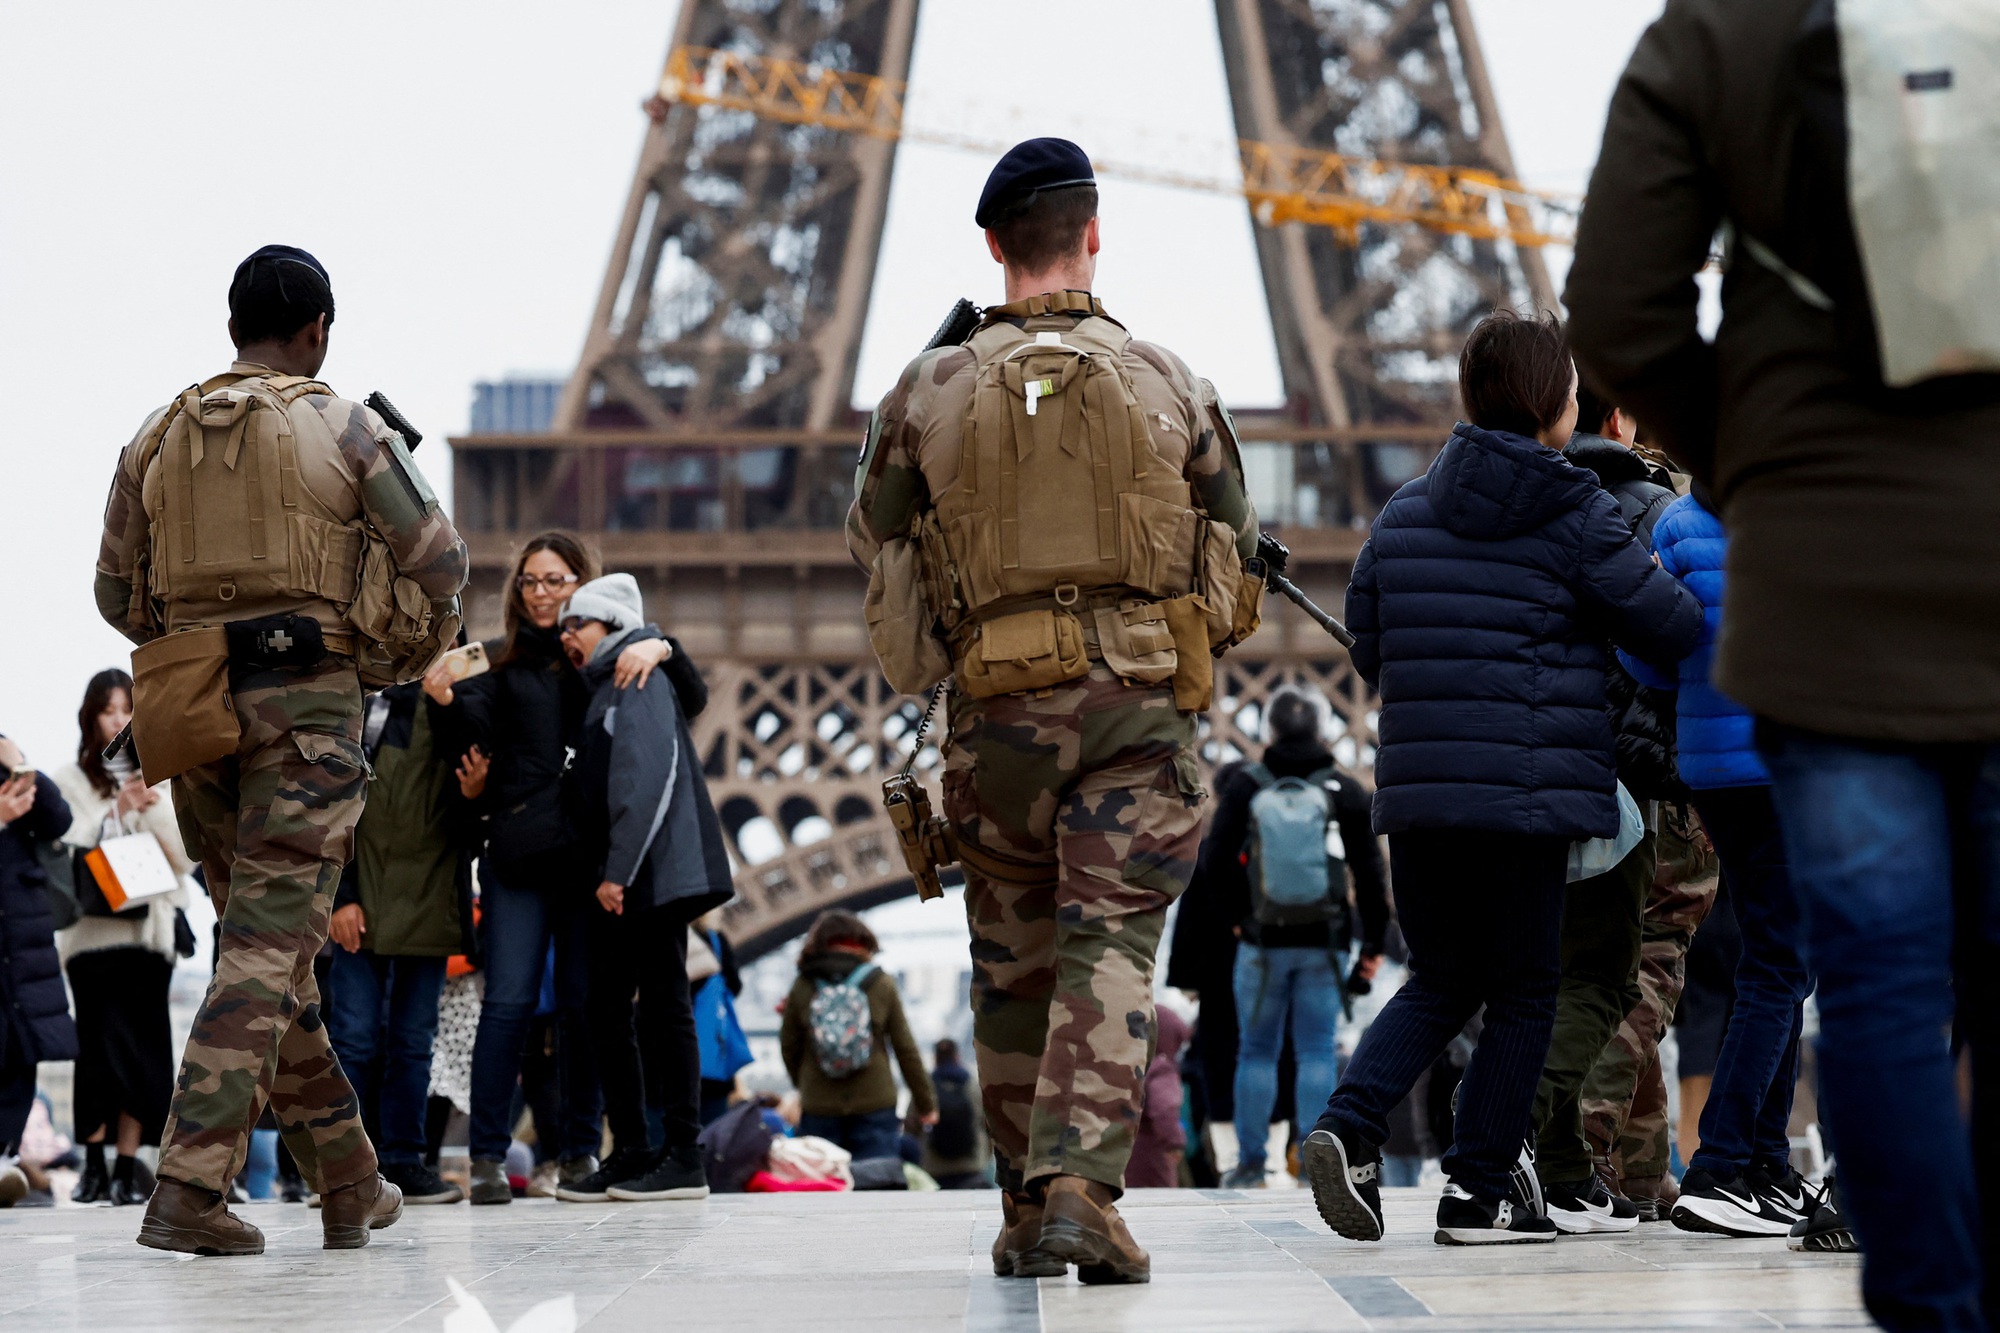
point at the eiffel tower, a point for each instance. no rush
(705, 442)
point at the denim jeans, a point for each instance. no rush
(1895, 854)
(1482, 913)
(1745, 1122)
(1271, 985)
(382, 1018)
(517, 922)
(875, 1134)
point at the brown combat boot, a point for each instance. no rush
(1080, 1226)
(349, 1213)
(1655, 1195)
(191, 1220)
(1017, 1250)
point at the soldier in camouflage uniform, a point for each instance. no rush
(273, 823)
(1625, 1095)
(1076, 805)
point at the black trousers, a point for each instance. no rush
(642, 1021)
(17, 1090)
(125, 1044)
(1482, 913)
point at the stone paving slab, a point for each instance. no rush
(1255, 1261)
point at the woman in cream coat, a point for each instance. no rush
(119, 967)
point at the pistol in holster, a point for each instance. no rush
(927, 841)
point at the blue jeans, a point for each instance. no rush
(1482, 913)
(1750, 1105)
(1271, 984)
(382, 1018)
(1895, 851)
(517, 922)
(876, 1134)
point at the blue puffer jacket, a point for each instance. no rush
(1718, 742)
(1480, 606)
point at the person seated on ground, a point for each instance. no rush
(1480, 605)
(843, 1016)
(403, 908)
(34, 1012)
(643, 810)
(957, 1153)
(1271, 857)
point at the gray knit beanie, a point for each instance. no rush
(613, 599)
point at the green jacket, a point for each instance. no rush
(873, 1087)
(410, 870)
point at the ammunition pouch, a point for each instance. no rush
(182, 712)
(1135, 640)
(1194, 667)
(1023, 652)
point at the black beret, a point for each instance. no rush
(1037, 164)
(283, 256)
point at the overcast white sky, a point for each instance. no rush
(460, 169)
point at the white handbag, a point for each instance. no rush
(131, 868)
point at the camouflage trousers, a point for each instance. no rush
(272, 827)
(1625, 1096)
(1078, 815)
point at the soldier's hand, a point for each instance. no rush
(347, 927)
(472, 770)
(437, 684)
(636, 663)
(611, 897)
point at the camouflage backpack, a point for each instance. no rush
(843, 1028)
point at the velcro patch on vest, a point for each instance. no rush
(1018, 638)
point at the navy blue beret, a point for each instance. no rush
(1037, 164)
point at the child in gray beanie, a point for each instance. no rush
(613, 601)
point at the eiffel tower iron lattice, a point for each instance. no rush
(705, 441)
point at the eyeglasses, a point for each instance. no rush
(548, 582)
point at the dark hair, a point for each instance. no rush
(1591, 410)
(90, 745)
(836, 927)
(1515, 373)
(1048, 228)
(567, 547)
(275, 293)
(945, 1052)
(1292, 716)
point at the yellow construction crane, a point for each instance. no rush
(1283, 183)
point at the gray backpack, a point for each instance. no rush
(1297, 862)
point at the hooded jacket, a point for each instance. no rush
(872, 1087)
(1480, 606)
(34, 1007)
(642, 803)
(1718, 737)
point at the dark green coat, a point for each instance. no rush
(410, 866)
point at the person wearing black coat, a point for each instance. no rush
(34, 1008)
(1603, 916)
(1480, 607)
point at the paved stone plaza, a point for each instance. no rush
(1221, 1260)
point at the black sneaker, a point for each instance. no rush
(420, 1184)
(679, 1175)
(1785, 1190)
(625, 1164)
(1825, 1231)
(1345, 1173)
(1587, 1206)
(1466, 1219)
(1743, 1205)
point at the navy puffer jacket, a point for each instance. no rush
(1480, 606)
(34, 1007)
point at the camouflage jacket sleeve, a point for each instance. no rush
(397, 500)
(126, 538)
(1215, 470)
(889, 486)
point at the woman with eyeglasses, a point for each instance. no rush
(523, 719)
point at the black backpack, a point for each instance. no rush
(956, 1133)
(734, 1147)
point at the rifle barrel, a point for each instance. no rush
(1291, 592)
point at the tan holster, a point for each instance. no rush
(182, 713)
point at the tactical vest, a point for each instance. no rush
(253, 512)
(1065, 530)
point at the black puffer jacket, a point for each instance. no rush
(34, 1007)
(1643, 718)
(526, 714)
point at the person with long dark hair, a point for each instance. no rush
(119, 966)
(1480, 607)
(523, 722)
